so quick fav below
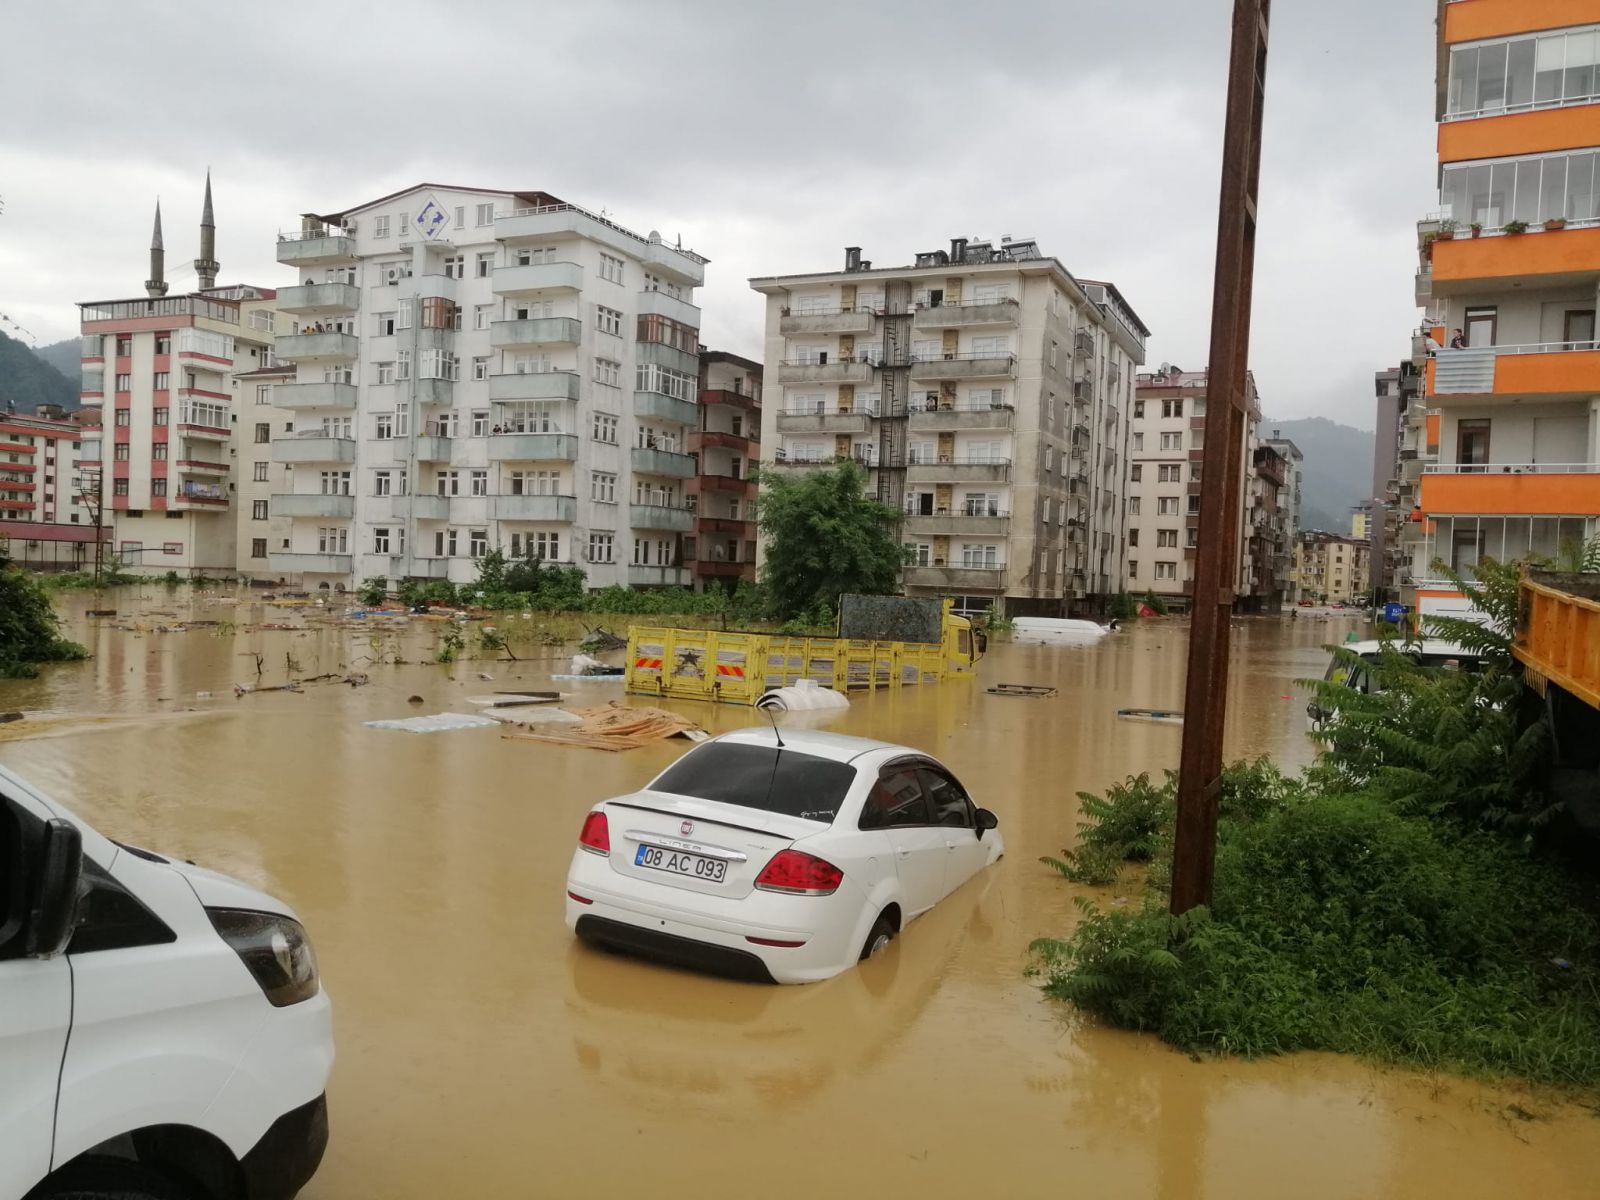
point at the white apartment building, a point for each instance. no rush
(478, 369)
(986, 392)
(1167, 432)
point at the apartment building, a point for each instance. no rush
(1406, 439)
(986, 391)
(478, 368)
(725, 446)
(260, 528)
(1165, 464)
(171, 367)
(1331, 569)
(1510, 275)
(44, 522)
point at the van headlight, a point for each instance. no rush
(274, 948)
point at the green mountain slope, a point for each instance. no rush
(27, 381)
(63, 356)
(1337, 472)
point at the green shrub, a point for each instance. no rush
(29, 628)
(1123, 607)
(374, 591)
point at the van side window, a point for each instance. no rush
(896, 799)
(112, 918)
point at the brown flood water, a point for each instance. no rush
(481, 1051)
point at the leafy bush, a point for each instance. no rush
(29, 627)
(1123, 607)
(1155, 603)
(373, 591)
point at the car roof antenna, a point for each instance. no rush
(773, 717)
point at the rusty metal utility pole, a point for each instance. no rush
(1221, 490)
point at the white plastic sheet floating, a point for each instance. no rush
(1063, 630)
(802, 697)
(438, 723)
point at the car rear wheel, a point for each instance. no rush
(105, 1178)
(881, 934)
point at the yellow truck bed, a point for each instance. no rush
(1558, 634)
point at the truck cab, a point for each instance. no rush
(163, 1029)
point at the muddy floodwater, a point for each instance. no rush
(482, 1052)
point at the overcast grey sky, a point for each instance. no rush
(768, 135)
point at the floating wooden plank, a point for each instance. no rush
(1161, 716)
(1036, 691)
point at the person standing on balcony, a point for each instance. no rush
(1458, 341)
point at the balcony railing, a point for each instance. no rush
(1510, 468)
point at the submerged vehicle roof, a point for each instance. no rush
(1436, 647)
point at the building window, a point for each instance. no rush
(479, 422)
(603, 487)
(1167, 506)
(258, 510)
(482, 314)
(486, 214)
(1136, 472)
(602, 548)
(380, 540)
(163, 343)
(448, 483)
(1172, 408)
(478, 542)
(258, 547)
(1172, 441)
(263, 432)
(161, 380)
(119, 452)
(125, 382)
(380, 227)
(1133, 537)
(608, 372)
(611, 268)
(382, 484)
(605, 428)
(480, 483)
(158, 417)
(1138, 410)
(119, 487)
(1133, 568)
(333, 540)
(385, 372)
(1166, 570)
(263, 393)
(383, 426)
(260, 475)
(480, 367)
(158, 487)
(484, 264)
(1169, 473)
(1166, 538)
(158, 451)
(607, 320)
(455, 266)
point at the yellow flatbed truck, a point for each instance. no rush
(1558, 645)
(883, 641)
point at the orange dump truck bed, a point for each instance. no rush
(1558, 633)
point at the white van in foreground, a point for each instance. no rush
(163, 1032)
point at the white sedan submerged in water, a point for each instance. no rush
(776, 855)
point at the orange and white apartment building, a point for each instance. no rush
(1507, 445)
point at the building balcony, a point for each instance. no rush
(558, 510)
(534, 385)
(960, 470)
(659, 304)
(855, 321)
(825, 372)
(316, 448)
(809, 420)
(317, 347)
(1537, 258)
(957, 579)
(646, 353)
(711, 439)
(533, 447)
(202, 496)
(724, 567)
(314, 299)
(315, 249)
(660, 516)
(424, 507)
(661, 462)
(743, 400)
(639, 576)
(201, 466)
(967, 313)
(537, 277)
(961, 416)
(435, 391)
(1551, 370)
(299, 504)
(296, 396)
(431, 448)
(958, 524)
(428, 567)
(658, 406)
(1511, 489)
(548, 222)
(202, 433)
(534, 331)
(965, 366)
(1083, 344)
(286, 563)
(733, 485)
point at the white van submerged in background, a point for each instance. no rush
(163, 1030)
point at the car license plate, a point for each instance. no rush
(677, 862)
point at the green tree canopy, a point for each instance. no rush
(29, 629)
(825, 537)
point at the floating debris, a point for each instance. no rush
(1160, 716)
(438, 723)
(1034, 690)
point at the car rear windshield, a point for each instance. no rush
(761, 777)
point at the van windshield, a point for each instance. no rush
(761, 777)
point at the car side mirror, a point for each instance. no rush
(53, 905)
(986, 820)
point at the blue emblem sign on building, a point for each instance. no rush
(430, 219)
(1392, 612)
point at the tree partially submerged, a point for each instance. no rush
(826, 537)
(29, 628)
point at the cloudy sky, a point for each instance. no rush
(767, 134)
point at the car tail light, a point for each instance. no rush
(800, 874)
(596, 835)
(578, 898)
(773, 942)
